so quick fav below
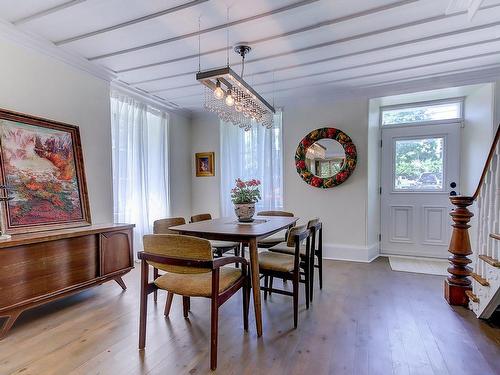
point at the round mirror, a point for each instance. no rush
(325, 157)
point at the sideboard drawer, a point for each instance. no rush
(115, 251)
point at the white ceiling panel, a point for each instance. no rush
(320, 44)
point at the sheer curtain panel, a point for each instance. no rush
(256, 153)
(140, 164)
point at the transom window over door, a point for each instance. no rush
(449, 110)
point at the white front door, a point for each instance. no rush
(420, 168)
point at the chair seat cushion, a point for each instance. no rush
(223, 244)
(197, 284)
(275, 261)
(285, 249)
(274, 238)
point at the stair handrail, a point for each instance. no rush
(458, 282)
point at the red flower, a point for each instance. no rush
(301, 164)
(350, 149)
(331, 132)
(316, 181)
(306, 142)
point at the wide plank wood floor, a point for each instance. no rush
(367, 320)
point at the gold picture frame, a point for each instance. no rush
(205, 164)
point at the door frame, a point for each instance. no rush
(460, 122)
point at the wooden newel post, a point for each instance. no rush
(457, 283)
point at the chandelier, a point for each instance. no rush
(232, 99)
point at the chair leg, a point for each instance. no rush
(320, 263)
(270, 284)
(186, 305)
(246, 301)
(295, 300)
(144, 304)
(311, 268)
(155, 276)
(168, 304)
(307, 277)
(266, 284)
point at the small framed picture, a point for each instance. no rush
(205, 164)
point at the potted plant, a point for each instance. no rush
(244, 196)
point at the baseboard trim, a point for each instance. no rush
(351, 253)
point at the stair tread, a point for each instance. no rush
(479, 279)
(472, 296)
(492, 261)
(496, 236)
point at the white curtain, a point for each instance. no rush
(256, 153)
(140, 164)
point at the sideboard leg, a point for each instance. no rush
(120, 282)
(9, 322)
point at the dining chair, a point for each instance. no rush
(191, 271)
(287, 266)
(307, 263)
(162, 226)
(220, 247)
(277, 237)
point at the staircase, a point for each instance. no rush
(482, 291)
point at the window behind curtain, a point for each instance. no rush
(256, 153)
(140, 164)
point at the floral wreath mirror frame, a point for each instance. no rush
(350, 157)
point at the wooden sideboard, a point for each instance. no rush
(37, 268)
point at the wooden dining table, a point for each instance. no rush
(229, 229)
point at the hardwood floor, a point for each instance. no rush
(367, 320)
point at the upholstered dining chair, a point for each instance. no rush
(191, 271)
(220, 247)
(308, 262)
(162, 226)
(287, 266)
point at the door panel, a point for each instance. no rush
(419, 164)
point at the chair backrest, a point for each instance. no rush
(179, 247)
(312, 223)
(162, 226)
(275, 213)
(201, 217)
(292, 232)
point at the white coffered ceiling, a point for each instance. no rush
(338, 44)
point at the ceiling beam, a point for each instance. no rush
(419, 66)
(300, 30)
(329, 43)
(131, 22)
(204, 31)
(350, 67)
(48, 11)
(422, 76)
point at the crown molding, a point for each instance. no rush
(29, 40)
(149, 99)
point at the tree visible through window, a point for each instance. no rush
(419, 164)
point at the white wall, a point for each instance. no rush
(205, 191)
(38, 85)
(180, 165)
(477, 136)
(343, 209)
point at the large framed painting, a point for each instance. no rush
(41, 165)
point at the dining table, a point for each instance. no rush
(230, 229)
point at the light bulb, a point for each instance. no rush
(238, 107)
(229, 99)
(218, 92)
